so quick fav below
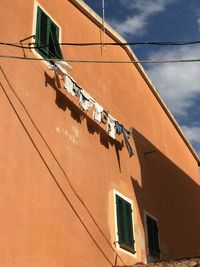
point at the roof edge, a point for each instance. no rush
(90, 13)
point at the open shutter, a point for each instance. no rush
(54, 39)
(47, 34)
(38, 23)
(42, 32)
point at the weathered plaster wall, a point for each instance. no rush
(52, 218)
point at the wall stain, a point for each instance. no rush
(72, 135)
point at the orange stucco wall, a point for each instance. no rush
(59, 168)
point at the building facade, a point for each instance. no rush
(72, 191)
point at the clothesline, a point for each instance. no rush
(86, 102)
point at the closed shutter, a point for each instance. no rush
(129, 224)
(120, 220)
(124, 224)
(153, 242)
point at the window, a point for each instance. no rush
(47, 34)
(152, 234)
(124, 224)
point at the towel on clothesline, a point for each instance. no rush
(69, 85)
(85, 100)
(111, 129)
(97, 112)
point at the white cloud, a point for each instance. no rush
(131, 25)
(178, 83)
(136, 24)
(145, 6)
(192, 133)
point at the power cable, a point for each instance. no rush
(49, 52)
(52, 175)
(103, 61)
(157, 43)
(58, 163)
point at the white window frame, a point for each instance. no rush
(115, 192)
(36, 4)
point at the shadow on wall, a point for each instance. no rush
(63, 102)
(169, 194)
(72, 202)
(166, 192)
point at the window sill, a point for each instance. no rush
(129, 249)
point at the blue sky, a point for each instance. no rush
(164, 20)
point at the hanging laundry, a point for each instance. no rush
(69, 85)
(104, 116)
(127, 134)
(77, 90)
(85, 100)
(97, 112)
(128, 146)
(119, 127)
(57, 68)
(111, 129)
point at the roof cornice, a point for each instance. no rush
(91, 14)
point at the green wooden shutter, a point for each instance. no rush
(129, 224)
(120, 220)
(54, 39)
(153, 242)
(38, 24)
(124, 223)
(42, 32)
(38, 29)
(47, 33)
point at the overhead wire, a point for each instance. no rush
(58, 163)
(63, 171)
(103, 61)
(33, 45)
(45, 47)
(52, 175)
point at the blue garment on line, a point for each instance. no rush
(127, 134)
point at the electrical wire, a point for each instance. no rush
(58, 163)
(49, 52)
(157, 43)
(52, 175)
(103, 61)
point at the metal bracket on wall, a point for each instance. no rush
(149, 152)
(29, 37)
